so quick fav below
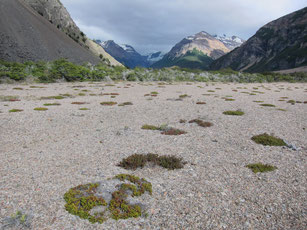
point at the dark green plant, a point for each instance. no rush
(266, 139)
(15, 110)
(40, 109)
(108, 103)
(267, 105)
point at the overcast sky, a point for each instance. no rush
(157, 25)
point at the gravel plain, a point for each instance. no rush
(45, 153)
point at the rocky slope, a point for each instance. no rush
(125, 54)
(56, 14)
(279, 45)
(27, 36)
(191, 49)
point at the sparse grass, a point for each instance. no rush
(259, 167)
(267, 105)
(52, 104)
(140, 160)
(108, 103)
(19, 220)
(234, 113)
(40, 109)
(201, 123)
(267, 140)
(15, 110)
(125, 103)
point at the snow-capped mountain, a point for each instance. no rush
(230, 42)
(195, 51)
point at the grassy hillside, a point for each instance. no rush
(194, 59)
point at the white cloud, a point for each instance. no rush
(159, 24)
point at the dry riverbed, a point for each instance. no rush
(57, 136)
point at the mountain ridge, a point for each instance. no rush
(278, 45)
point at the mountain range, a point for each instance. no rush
(35, 30)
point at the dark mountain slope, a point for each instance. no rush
(27, 36)
(279, 45)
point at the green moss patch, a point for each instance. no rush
(84, 109)
(52, 104)
(266, 139)
(259, 167)
(234, 113)
(108, 103)
(60, 97)
(84, 200)
(150, 127)
(18, 88)
(291, 102)
(183, 96)
(78, 103)
(125, 103)
(267, 105)
(40, 109)
(201, 123)
(229, 99)
(140, 160)
(15, 110)
(258, 101)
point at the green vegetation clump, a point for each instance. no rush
(229, 99)
(15, 110)
(140, 160)
(183, 96)
(150, 127)
(53, 98)
(19, 220)
(165, 130)
(292, 102)
(234, 113)
(108, 103)
(78, 103)
(266, 139)
(173, 131)
(267, 105)
(125, 103)
(84, 109)
(52, 104)
(259, 167)
(201, 123)
(9, 98)
(40, 109)
(82, 199)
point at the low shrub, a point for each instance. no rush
(234, 113)
(201, 123)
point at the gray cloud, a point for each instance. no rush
(160, 24)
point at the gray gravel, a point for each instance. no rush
(44, 154)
